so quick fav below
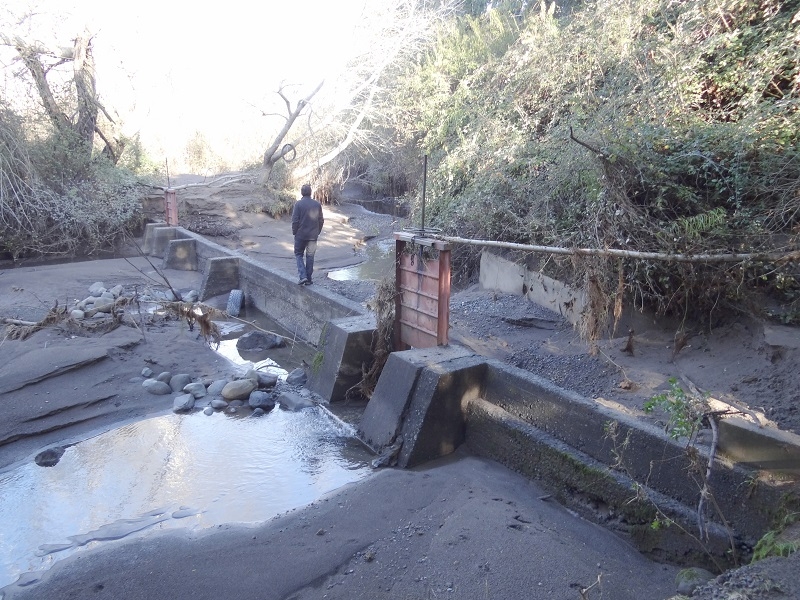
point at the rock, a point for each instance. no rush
(165, 377)
(190, 296)
(236, 403)
(108, 296)
(258, 340)
(219, 404)
(116, 291)
(183, 403)
(196, 389)
(688, 579)
(294, 402)
(239, 389)
(147, 372)
(77, 314)
(252, 374)
(258, 412)
(297, 377)
(49, 457)
(97, 288)
(208, 410)
(259, 399)
(266, 380)
(179, 381)
(216, 387)
(154, 386)
(89, 300)
(104, 305)
(81, 305)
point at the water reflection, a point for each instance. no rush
(173, 471)
(379, 263)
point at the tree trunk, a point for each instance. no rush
(84, 77)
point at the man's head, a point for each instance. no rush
(305, 190)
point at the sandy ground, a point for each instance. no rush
(463, 528)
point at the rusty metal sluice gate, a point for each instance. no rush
(422, 292)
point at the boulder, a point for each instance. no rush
(104, 305)
(183, 403)
(688, 579)
(196, 389)
(147, 372)
(179, 381)
(294, 402)
(219, 404)
(77, 314)
(254, 341)
(239, 389)
(154, 386)
(297, 377)
(216, 387)
(97, 288)
(266, 380)
(165, 377)
(259, 399)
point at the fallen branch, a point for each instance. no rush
(776, 257)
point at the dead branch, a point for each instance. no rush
(774, 257)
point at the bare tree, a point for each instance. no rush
(279, 149)
(39, 62)
(391, 30)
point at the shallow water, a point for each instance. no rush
(379, 263)
(192, 471)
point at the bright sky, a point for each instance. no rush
(171, 68)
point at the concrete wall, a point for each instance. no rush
(499, 274)
(300, 309)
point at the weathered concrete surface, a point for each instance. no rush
(592, 489)
(181, 255)
(645, 453)
(435, 423)
(760, 448)
(302, 310)
(389, 404)
(344, 347)
(221, 275)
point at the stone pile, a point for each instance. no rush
(101, 300)
(255, 390)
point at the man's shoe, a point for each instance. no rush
(302, 282)
(308, 282)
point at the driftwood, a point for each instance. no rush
(775, 257)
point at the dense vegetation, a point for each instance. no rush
(657, 125)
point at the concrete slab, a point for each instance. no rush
(345, 346)
(436, 421)
(181, 255)
(389, 404)
(220, 276)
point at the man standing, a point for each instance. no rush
(307, 223)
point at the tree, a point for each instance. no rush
(80, 130)
(343, 113)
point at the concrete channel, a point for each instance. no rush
(605, 465)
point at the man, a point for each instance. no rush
(307, 223)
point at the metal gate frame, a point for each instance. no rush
(422, 293)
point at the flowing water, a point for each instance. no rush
(191, 471)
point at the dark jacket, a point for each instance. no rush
(307, 219)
